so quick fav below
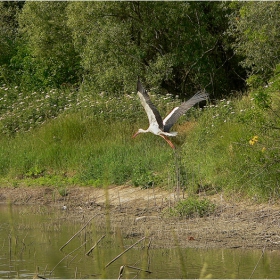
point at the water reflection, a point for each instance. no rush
(30, 239)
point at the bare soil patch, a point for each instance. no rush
(141, 212)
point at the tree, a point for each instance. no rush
(176, 46)
(8, 34)
(46, 56)
(173, 47)
(102, 35)
(256, 29)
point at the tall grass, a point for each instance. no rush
(234, 147)
(87, 141)
(90, 144)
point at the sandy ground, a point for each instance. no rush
(140, 212)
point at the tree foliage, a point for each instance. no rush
(8, 34)
(256, 28)
(175, 47)
(46, 55)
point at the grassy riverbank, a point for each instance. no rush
(80, 139)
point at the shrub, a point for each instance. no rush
(193, 206)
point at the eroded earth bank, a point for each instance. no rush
(142, 212)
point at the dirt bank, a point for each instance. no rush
(139, 212)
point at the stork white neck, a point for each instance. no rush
(161, 134)
(140, 130)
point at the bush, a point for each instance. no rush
(256, 30)
(193, 206)
(221, 150)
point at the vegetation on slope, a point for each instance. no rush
(235, 146)
(68, 110)
(232, 145)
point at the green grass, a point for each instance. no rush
(220, 151)
(193, 206)
(74, 149)
(88, 141)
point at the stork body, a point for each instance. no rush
(157, 125)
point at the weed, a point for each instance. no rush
(35, 172)
(193, 206)
(62, 191)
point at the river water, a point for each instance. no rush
(31, 238)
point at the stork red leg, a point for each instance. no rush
(168, 141)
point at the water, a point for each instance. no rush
(30, 239)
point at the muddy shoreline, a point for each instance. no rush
(137, 212)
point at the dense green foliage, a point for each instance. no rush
(192, 207)
(48, 57)
(68, 109)
(179, 47)
(255, 25)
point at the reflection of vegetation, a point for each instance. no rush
(204, 274)
(31, 240)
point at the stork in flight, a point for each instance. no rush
(157, 125)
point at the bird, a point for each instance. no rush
(159, 126)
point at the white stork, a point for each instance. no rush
(157, 125)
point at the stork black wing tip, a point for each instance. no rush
(139, 86)
(202, 94)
